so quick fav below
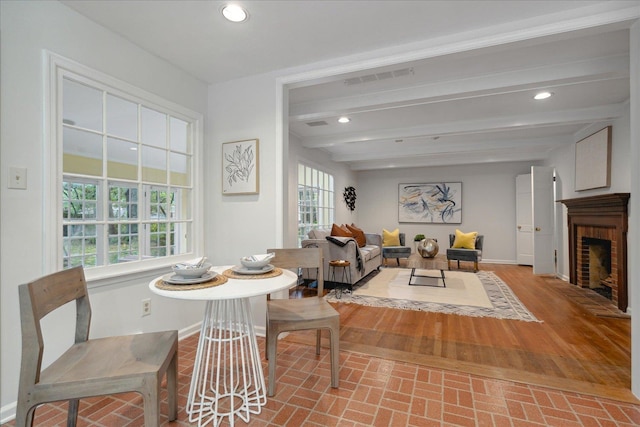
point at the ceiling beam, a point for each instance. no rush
(604, 68)
(548, 118)
(385, 150)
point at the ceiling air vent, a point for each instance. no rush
(378, 76)
(318, 123)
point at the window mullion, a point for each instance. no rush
(102, 233)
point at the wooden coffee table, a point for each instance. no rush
(416, 261)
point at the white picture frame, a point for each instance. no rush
(240, 167)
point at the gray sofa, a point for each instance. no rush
(363, 260)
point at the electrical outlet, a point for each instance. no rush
(146, 307)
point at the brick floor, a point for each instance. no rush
(373, 392)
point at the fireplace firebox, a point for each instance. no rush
(598, 235)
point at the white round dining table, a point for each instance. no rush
(227, 377)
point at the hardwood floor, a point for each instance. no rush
(572, 348)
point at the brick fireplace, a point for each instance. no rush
(599, 224)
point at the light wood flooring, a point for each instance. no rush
(582, 344)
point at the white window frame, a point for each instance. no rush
(329, 211)
(57, 68)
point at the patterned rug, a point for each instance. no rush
(481, 294)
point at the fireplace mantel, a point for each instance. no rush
(606, 211)
(604, 204)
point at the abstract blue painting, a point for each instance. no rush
(439, 202)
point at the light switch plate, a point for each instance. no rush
(17, 178)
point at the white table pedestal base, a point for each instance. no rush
(227, 377)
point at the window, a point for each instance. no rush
(125, 173)
(316, 207)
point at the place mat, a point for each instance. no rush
(216, 281)
(233, 275)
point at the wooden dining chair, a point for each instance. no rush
(287, 315)
(90, 367)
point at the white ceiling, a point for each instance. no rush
(465, 97)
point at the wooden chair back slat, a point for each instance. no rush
(55, 290)
(301, 258)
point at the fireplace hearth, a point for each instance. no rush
(598, 244)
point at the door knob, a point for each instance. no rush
(537, 228)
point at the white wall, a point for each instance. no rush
(563, 159)
(240, 225)
(27, 29)
(488, 204)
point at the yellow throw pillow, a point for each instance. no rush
(465, 240)
(390, 238)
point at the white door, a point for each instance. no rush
(524, 220)
(543, 214)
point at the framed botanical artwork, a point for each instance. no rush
(240, 173)
(593, 161)
(438, 203)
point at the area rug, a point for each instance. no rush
(481, 294)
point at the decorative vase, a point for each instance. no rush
(428, 248)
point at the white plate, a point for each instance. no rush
(244, 270)
(174, 279)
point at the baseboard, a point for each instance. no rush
(189, 330)
(497, 261)
(8, 412)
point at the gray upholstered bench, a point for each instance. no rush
(459, 254)
(396, 252)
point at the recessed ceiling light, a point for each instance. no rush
(543, 95)
(234, 13)
(344, 119)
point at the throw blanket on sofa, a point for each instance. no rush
(343, 242)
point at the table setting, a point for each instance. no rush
(254, 266)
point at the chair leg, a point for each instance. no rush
(266, 338)
(151, 398)
(72, 414)
(398, 261)
(172, 387)
(318, 339)
(335, 355)
(475, 266)
(272, 356)
(24, 416)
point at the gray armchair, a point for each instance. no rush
(460, 254)
(396, 252)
